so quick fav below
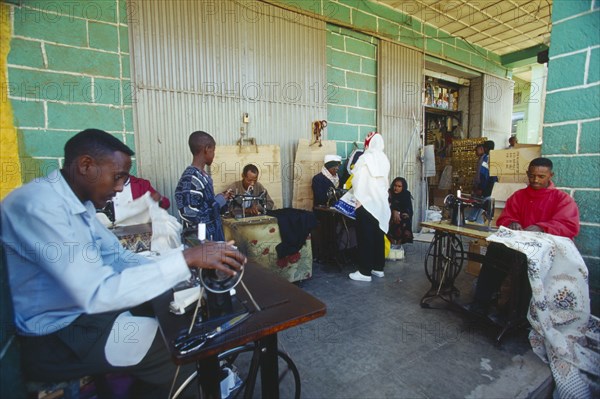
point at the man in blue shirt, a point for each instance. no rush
(75, 290)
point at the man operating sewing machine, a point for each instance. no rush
(250, 186)
(538, 207)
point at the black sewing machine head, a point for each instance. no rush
(457, 207)
(239, 203)
(334, 194)
(108, 210)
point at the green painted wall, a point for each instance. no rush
(68, 70)
(401, 27)
(352, 77)
(572, 120)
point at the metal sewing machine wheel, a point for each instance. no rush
(217, 281)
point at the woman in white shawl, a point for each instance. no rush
(370, 187)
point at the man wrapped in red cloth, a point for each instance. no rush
(133, 189)
(538, 207)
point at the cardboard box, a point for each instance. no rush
(513, 162)
(478, 247)
(502, 191)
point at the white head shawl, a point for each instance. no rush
(371, 180)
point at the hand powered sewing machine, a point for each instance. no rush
(457, 205)
(239, 203)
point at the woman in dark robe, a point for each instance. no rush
(400, 231)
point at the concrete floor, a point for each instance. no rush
(377, 342)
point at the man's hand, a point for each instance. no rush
(515, 226)
(252, 210)
(156, 196)
(228, 194)
(396, 216)
(534, 227)
(404, 216)
(215, 255)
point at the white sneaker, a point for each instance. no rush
(358, 276)
(377, 273)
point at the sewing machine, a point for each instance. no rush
(457, 205)
(334, 194)
(239, 203)
(109, 211)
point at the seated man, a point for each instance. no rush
(250, 185)
(68, 302)
(326, 179)
(195, 194)
(538, 207)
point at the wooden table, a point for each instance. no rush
(444, 261)
(282, 304)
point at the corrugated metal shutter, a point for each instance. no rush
(497, 109)
(199, 65)
(400, 115)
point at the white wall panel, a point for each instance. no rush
(400, 79)
(199, 65)
(497, 109)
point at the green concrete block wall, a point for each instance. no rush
(68, 70)
(352, 71)
(571, 136)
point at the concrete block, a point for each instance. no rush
(337, 11)
(565, 9)
(361, 82)
(79, 117)
(367, 100)
(578, 172)
(362, 116)
(363, 20)
(337, 131)
(342, 96)
(587, 201)
(125, 66)
(594, 67)
(336, 114)
(49, 86)
(335, 40)
(343, 60)
(575, 34)
(28, 113)
(128, 116)
(103, 36)
(388, 28)
(82, 61)
(433, 46)
(107, 91)
(589, 140)
(572, 105)
(25, 52)
(124, 38)
(368, 66)
(43, 143)
(560, 139)
(587, 241)
(360, 47)
(567, 71)
(39, 24)
(336, 76)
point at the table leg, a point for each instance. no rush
(269, 370)
(209, 379)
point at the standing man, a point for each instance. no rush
(195, 194)
(74, 288)
(250, 185)
(538, 207)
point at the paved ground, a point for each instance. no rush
(377, 342)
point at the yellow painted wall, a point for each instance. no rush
(10, 167)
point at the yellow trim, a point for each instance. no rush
(10, 166)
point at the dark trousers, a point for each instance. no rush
(371, 245)
(499, 262)
(77, 350)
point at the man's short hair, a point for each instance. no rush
(95, 143)
(250, 168)
(545, 162)
(200, 140)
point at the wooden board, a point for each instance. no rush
(230, 161)
(308, 162)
